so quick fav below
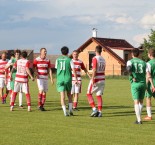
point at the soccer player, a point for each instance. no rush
(65, 66)
(150, 84)
(97, 82)
(3, 62)
(137, 75)
(9, 65)
(42, 67)
(76, 88)
(21, 80)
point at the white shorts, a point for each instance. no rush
(21, 87)
(76, 88)
(8, 86)
(42, 84)
(2, 82)
(97, 88)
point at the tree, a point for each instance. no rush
(147, 44)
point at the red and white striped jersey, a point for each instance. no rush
(21, 74)
(2, 67)
(8, 73)
(78, 65)
(98, 63)
(42, 66)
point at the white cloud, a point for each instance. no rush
(139, 39)
(148, 21)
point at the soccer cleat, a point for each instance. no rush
(71, 113)
(75, 109)
(94, 113)
(21, 107)
(99, 114)
(148, 118)
(136, 122)
(11, 108)
(43, 109)
(66, 114)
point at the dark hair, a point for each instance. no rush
(4, 52)
(76, 51)
(98, 49)
(151, 51)
(17, 51)
(24, 54)
(42, 49)
(64, 50)
(12, 54)
(135, 52)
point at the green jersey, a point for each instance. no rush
(138, 69)
(64, 67)
(14, 72)
(151, 68)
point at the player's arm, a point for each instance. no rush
(94, 69)
(9, 64)
(149, 77)
(50, 73)
(74, 72)
(28, 70)
(129, 69)
(85, 70)
(35, 68)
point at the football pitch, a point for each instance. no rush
(116, 127)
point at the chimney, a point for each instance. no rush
(94, 32)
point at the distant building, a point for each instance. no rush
(116, 53)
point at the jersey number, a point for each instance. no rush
(101, 66)
(62, 65)
(138, 68)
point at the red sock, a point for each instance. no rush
(28, 98)
(10, 91)
(39, 99)
(91, 100)
(43, 99)
(5, 95)
(99, 100)
(13, 98)
(74, 104)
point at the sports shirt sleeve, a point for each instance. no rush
(94, 63)
(56, 63)
(129, 64)
(35, 63)
(82, 66)
(28, 64)
(72, 64)
(148, 67)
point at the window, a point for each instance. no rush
(126, 57)
(91, 55)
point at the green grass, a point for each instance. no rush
(52, 128)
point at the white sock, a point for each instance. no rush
(94, 109)
(64, 109)
(20, 98)
(140, 107)
(149, 113)
(70, 107)
(137, 111)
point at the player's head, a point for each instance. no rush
(24, 54)
(75, 54)
(17, 53)
(151, 53)
(98, 49)
(64, 50)
(3, 56)
(135, 52)
(43, 53)
(12, 55)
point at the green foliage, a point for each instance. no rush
(147, 44)
(116, 127)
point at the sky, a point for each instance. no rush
(32, 24)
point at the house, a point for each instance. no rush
(116, 53)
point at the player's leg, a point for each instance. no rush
(8, 88)
(20, 100)
(70, 105)
(62, 94)
(40, 88)
(43, 100)
(1, 89)
(135, 94)
(75, 102)
(25, 89)
(90, 98)
(99, 93)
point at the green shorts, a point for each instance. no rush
(12, 85)
(138, 90)
(64, 86)
(148, 93)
